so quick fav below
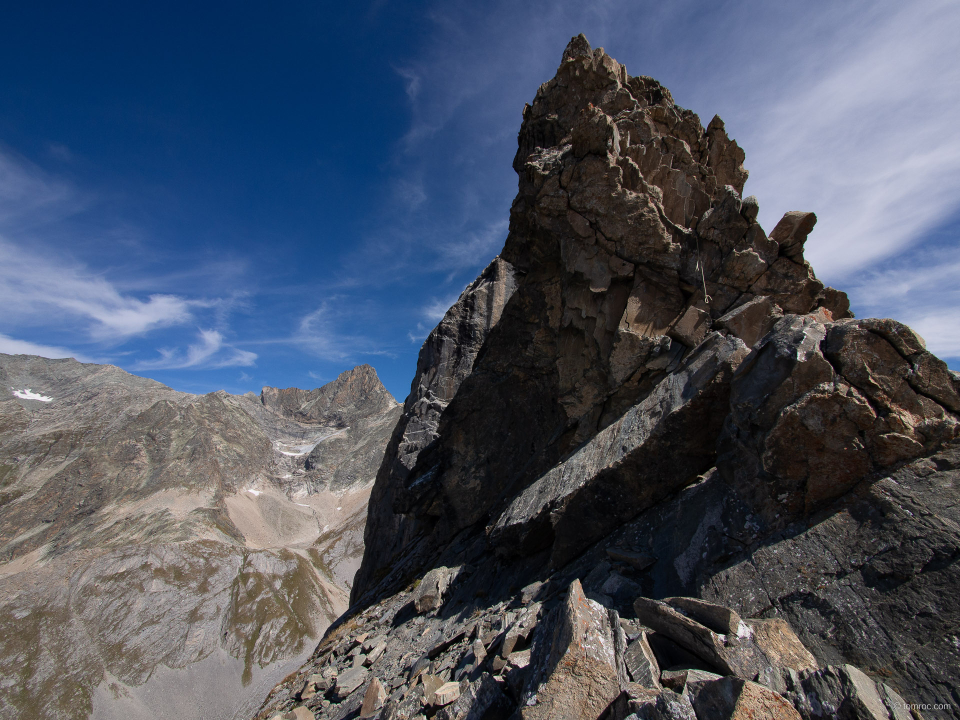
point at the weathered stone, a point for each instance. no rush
(595, 133)
(630, 557)
(429, 593)
(376, 653)
(644, 704)
(481, 699)
(752, 320)
(373, 699)
(300, 713)
(694, 681)
(348, 681)
(804, 429)
(430, 684)
(789, 284)
(723, 224)
(575, 669)
(445, 694)
(742, 268)
(792, 231)
(692, 327)
(841, 692)
(731, 654)
(641, 663)
(737, 699)
(718, 618)
(777, 640)
(605, 482)
(446, 358)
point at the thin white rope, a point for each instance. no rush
(703, 279)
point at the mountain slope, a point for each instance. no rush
(144, 531)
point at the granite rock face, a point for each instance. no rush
(166, 553)
(669, 424)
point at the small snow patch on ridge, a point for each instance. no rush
(28, 394)
(254, 492)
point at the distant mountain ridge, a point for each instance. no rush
(144, 530)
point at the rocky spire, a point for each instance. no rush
(667, 424)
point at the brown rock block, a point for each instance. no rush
(792, 231)
(736, 699)
(692, 327)
(777, 640)
(718, 618)
(579, 668)
(730, 654)
(752, 320)
(373, 699)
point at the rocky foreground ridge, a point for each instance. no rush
(650, 467)
(171, 555)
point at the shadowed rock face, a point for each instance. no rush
(146, 532)
(629, 245)
(667, 405)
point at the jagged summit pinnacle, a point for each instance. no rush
(651, 466)
(578, 46)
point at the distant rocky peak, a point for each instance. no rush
(355, 394)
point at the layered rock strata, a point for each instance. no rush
(675, 460)
(169, 554)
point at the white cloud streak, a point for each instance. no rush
(210, 351)
(13, 346)
(33, 287)
(28, 196)
(870, 144)
(925, 296)
(322, 333)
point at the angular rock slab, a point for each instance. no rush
(718, 618)
(481, 700)
(777, 640)
(429, 593)
(736, 699)
(373, 699)
(575, 671)
(816, 408)
(658, 446)
(731, 654)
(845, 692)
(641, 663)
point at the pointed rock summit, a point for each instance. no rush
(650, 466)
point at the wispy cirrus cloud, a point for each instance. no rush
(210, 351)
(35, 289)
(29, 196)
(330, 332)
(45, 290)
(869, 143)
(13, 346)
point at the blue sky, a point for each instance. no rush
(232, 195)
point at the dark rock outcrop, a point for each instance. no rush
(676, 468)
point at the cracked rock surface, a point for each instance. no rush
(668, 472)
